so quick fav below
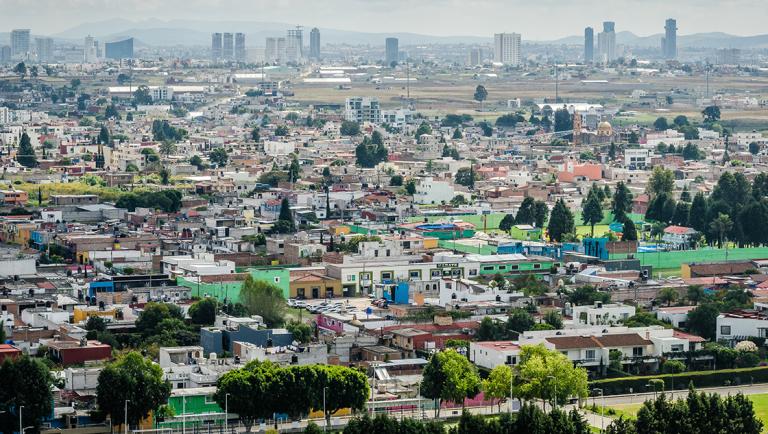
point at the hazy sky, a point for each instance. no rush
(535, 19)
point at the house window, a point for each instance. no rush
(387, 252)
(209, 399)
(488, 268)
(386, 275)
(435, 273)
(277, 280)
(589, 355)
(502, 267)
(676, 348)
(414, 274)
(725, 330)
(536, 266)
(473, 272)
(637, 352)
(511, 360)
(300, 292)
(351, 277)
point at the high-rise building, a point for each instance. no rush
(669, 41)
(363, 109)
(606, 42)
(506, 48)
(90, 50)
(589, 45)
(119, 49)
(228, 47)
(314, 43)
(240, 47)
(5, 54)
(20, 43)
(44, 48)
(294, 45)
(391, 50)
(728, 56)
(274, 51)
(216, 47)
(475, 57)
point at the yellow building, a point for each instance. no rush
(82, 314)
(314, 285)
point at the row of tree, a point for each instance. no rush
(261, 389)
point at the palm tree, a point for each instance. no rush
(667, 295)
(721, 226)
(657, 230)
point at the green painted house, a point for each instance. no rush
(525, 233)
(193, 407)
(229, 289)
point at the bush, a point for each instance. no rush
(700, 379)
(673, 367)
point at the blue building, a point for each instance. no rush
(219, 339)
(119, 49)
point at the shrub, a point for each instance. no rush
(700, 379)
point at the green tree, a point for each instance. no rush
(203, 312)
(135, 379)
(563, 120)
(754, 148)
(294, 170)
(26, 153)
(519, 321)
(711, 114)
(301, 331)
(153, 314)
(285, 214)
(481, 94)
(167, 148)
(264, 299)
(457, 134)
(349, 128)
(498, 385)
(667, 295)
(697, 216)
(680, 120)
(585, 295)
(526, 214)
(721, 226)
(28, 382)
(541, 212)
(142, 95)
(21, 70)
(461, 378)
(629, 231)
(554, 319)
(622, 202)
(662, 181)
(661, 124)
(410, 187)
(560, 222)
(344, 388)
(703, 320)
(548, 375)
(219, 157)
(396, 181)
(507, 223)
(592, 211)
(424, 128)
(466, 176)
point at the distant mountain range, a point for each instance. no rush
(154, 32)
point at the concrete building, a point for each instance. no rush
(432, 191)
(44, 48)
(741, 324)
(669, 41)
(20, 43)
(216, 47)
(475, 57)
(728, 56)
(274, 51)
(589, 45)
(294, 45)
(119, 49)
(602, 314)
(363, 109)
(391, 50)
(240, 47)
(5, 54)
(314, 43)
(506, 48)
(606, 42)
(90, 50)
(228, 47)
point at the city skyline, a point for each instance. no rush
(737, 17)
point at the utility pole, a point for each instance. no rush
(408, 80)
(557, 90)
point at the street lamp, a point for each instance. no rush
(554, 384)
(226, 409)
(325, 414)
(183, 415)
(125, 415)
(647, 385)
(21, 409)
(602, 409)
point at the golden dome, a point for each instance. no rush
(604, 129)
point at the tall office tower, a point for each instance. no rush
(475, 57)
(44, 48)
(90, 50)
(119, 49)
(728, 56)
(294, 45)
(240, 47)
(314, 43)
(20, 43)
(391, 50)
(270, 50)
(228, 47)
(669, 41)
(606, 42)
(5, 54)
(216, 47)
(506, 48)
(589, 45)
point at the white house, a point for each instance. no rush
(274, 148)
(637, 158)
(680, 237)
(741, 324)
(454, 291)
(675, 315)
(491, 354)
(432, 191)
(602, 314)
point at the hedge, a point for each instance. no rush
(700, 379)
